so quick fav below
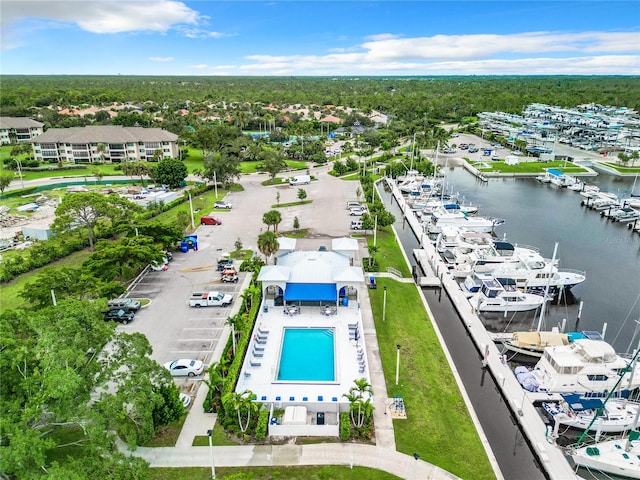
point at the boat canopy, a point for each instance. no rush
(578, 403)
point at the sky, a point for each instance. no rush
(325, 38)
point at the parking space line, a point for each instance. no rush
(192, 351)
(203, 328)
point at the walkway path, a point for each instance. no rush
(399, 464)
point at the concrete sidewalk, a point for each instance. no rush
(348, 454)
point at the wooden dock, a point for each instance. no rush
(551, 458)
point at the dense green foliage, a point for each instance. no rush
(345, 426)
(423, 98)
(261, 427)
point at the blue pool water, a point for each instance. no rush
(307, 355)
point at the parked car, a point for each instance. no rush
(127, 304)
(159, 267)
(185, 367)
(358, 211)
(186, 400)
(223, 205)
(120, 316)
(207, 220)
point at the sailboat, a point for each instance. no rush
(618, 457)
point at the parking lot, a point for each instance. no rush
(176, 330)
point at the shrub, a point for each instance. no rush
(261, 427)
(345, 426)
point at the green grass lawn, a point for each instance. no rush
(330, 472)
(528, 167)
(439, 427)
(622, 168)
(389, 253)
(168, 435)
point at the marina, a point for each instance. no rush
(568, 308)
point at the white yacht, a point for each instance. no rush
(494, 297)
(611, 416)
(441, 216)
(618, 456)
(584, 366)
(527, 270)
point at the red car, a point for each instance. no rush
(206, 220)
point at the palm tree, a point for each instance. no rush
(272, 217)
(241, 402)
(101, 149)
(268, 244)
(358, 402)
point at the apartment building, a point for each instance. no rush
(18, 129)
(108, 143)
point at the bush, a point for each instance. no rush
(261, 427)
(345, 426)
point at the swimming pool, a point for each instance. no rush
(307, 355)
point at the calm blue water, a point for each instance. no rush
(307, 355)
(541, 215)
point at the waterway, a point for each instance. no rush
(540, 215)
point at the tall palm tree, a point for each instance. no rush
(360, 404)
(268, 244)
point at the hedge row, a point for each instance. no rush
(261, 427)
(345, 426)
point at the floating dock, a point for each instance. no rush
(551, 458)
(431, 278)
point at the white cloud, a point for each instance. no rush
(162, 59)
(200, 66)
(192, 32)
(523, 53)
(103, 16)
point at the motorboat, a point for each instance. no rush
(528, 271)
(452, 237)
(494, 297)
(441, 216)
(610, 416)
(584, 366)
(532, 344)
(615, 456)
(624, 214)
(576, 186)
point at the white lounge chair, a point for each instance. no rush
(255, 362)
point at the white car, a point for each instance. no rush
(186, 400)
(222, 204)
(185, 367)
(357, 211)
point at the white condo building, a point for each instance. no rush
(111, 143)
(18, 129)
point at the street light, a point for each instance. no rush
(213, 468)
(397, 363)
(384, 304)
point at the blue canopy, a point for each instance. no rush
(554, 172)
(314, 292)
(578, 403)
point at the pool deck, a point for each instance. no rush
(260, 367)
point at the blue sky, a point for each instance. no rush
(355, 38)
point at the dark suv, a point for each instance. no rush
(120, 316)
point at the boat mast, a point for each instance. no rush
(546, 288)
(626, 370)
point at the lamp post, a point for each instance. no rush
(397, 363)
(213, 468)
(191, 209)
(384, 304)
(215, 184)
